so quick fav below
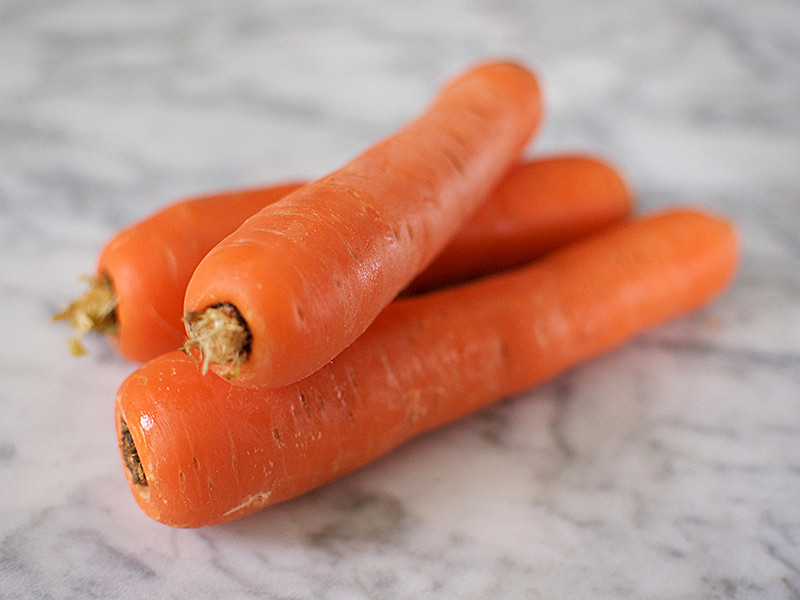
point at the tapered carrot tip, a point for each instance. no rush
(217, 334)
(95, 310)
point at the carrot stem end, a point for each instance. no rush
(218, 334)
(95, 310)
(130, 456)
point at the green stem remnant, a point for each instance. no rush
(94, 311)
(218, 334)
(130, 456)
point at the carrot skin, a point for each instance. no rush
(537, 207)
(212, 452)
(150, 262)
(309, 273)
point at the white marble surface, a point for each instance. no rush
(667, 469)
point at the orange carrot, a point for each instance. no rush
(538, 206)
(137, 294)
(200, 451)
(305, 276)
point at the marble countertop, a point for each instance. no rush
(669, 468)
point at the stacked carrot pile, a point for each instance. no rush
(294, 333)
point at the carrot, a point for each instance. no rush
(137, 295)
(538, 206)
(199, 451)
(305, 276)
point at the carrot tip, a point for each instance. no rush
(95, 310)
(217, 334)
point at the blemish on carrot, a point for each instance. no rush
(298, 314)
(352, 378)
(276, 434)
(304, 403)
(458, 166)
(351, 251)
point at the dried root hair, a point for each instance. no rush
(95, 310)
(217, 334)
